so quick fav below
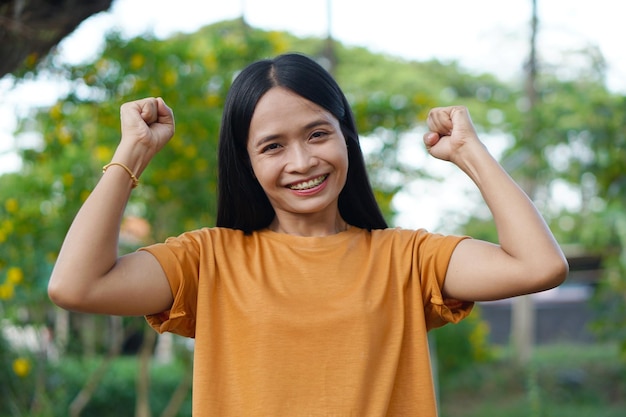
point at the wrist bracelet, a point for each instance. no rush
(132, 176)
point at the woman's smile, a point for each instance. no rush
(309, 184)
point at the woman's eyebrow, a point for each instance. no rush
(317, 123)
(265, 139)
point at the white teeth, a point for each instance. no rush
(308, 184)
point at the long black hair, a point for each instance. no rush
(242, 203)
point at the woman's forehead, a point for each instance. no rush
(281, 108)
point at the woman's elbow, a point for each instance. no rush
(62, 295)
(55, 293)
(552, 273)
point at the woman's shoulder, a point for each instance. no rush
(401, 233)
(415, 237)
(210, 233)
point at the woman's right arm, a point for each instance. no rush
(88, 275)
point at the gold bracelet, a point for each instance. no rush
(132, 176)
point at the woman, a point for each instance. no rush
(302, 302)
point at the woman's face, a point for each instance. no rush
(298, 154)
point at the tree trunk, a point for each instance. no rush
(523, 313)
(88, 333)
(178, 398)
(164, 351)
(142, 406)
(84, 396)
(523, 328)
(61, 331)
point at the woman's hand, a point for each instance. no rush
(147, 125)
(450, 133)
(147, 121)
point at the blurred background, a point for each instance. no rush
(545, 82)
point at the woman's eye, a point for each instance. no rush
(317, 135)
(271, 147)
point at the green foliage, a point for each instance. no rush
(26, 244)
(17, 379)
(610, 304)
(561, 381)
(462, 345)
(115, 394)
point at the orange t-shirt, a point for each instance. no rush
(309, 326)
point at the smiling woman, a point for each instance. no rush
(301, 301)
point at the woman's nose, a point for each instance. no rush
(301, 159)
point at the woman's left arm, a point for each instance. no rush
(528, 258)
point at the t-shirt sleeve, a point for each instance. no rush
(180, 259)
(434, 256)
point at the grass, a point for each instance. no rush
(560, 381)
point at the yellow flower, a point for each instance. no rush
(15, 275)
(21, 367)
(278, 42)
(164, 192)
(56, 112)
(137, 61)
(170, 78)
(68, 179)
(11, 205)
(210, 62)
(7, 226)
(7, 291)
(213, 100)
(64, 135)
(191, 151)
(103, 153)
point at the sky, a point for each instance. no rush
(482, 35)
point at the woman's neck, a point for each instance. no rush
(308, 225)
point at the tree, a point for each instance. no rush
(29, 29)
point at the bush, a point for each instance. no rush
(458, 346)
(568, 380)
(18, 382)
(115, 395)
